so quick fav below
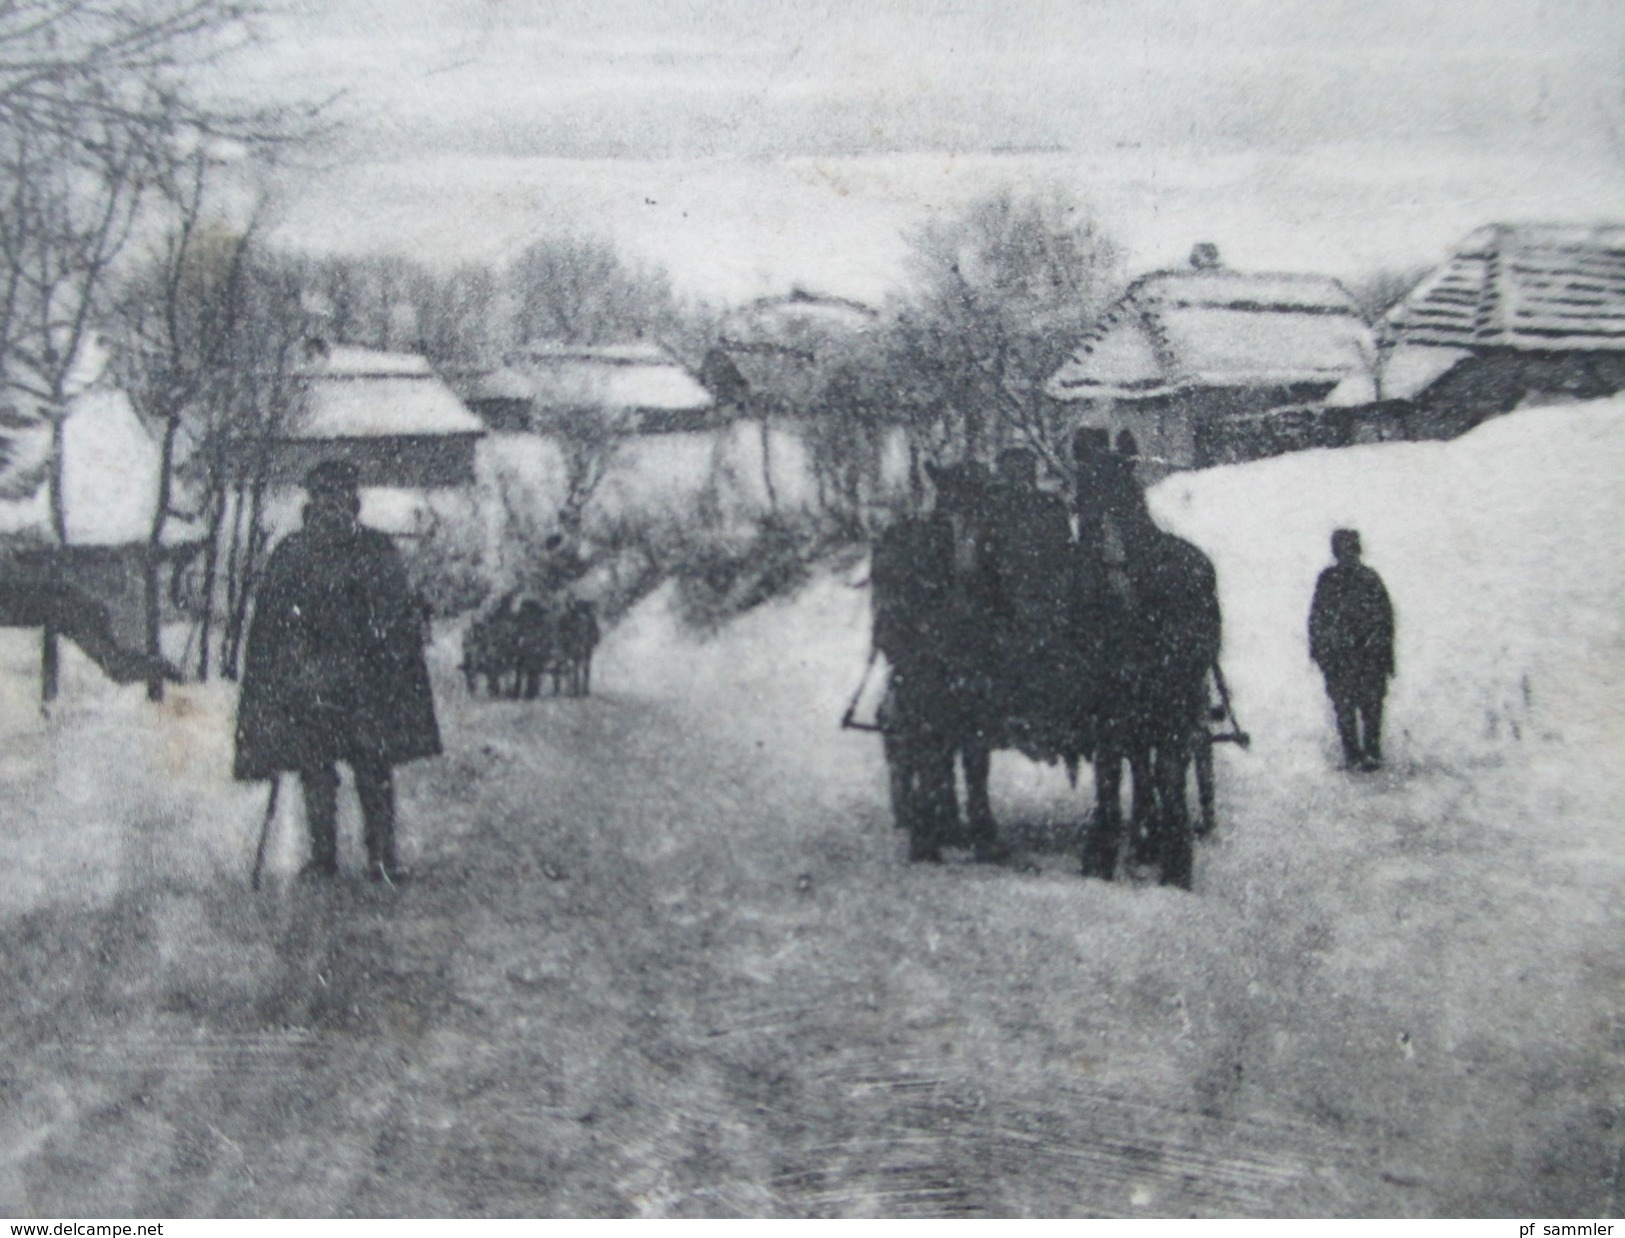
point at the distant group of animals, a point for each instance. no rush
(523, 642)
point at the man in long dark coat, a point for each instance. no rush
(334, 671)
(1351, 639)
(1030, 559)
(1159, 632)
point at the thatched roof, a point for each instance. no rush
(786, 349)
(1536, 287)
(640, 384)
(1183, 330)
(364, 393)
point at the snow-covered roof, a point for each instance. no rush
(557, 378)
(110, 471)
(786, 349)
(795, 317)
(1410, 369)
(1527, 286)
(1178, 330)
(364, 393)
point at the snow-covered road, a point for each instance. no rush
(665, 958)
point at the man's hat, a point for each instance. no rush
(333, 477)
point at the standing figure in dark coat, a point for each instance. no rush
(1159, 635)
(1351, 639)
(1029, 548)
(578, 638)
(334, 671)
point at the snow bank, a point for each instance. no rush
(1504, 553)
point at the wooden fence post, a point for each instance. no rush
(49, 664)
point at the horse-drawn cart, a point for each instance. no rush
(1103, 649)
(523, 642)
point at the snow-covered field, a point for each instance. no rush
(665, 957)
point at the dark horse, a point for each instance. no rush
(1154, 625)
(934, 612)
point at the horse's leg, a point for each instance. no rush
(899, 779)
(1202, 759)
(1142, 803)
(935, 810)
(1173, 839)
(1104, 836)
(976, 756)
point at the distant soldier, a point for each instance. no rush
(1351, 639)
(1093, 469)
(578, 638)
(562, 565)
(335, 672)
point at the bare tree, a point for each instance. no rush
(580, 290)
(1377, 292)
(96, 109)
(208, 344)
(589, 445)
(1001, 292)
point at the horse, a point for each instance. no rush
(490, 650)
(1157, 630)
(934, 615)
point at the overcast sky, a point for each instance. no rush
(750, 146)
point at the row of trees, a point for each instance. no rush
(109, 138)
(116, 170)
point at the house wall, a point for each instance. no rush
(1496, 381)
(410, 461)
(1163, 429)
(1208, 426)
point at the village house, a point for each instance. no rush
(633, 388)
(1518, 313)
(387, 413)
(777, 356)
(91, 585)
(1209, 365)
(792, 367)
(410, 437)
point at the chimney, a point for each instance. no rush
(1204, 256)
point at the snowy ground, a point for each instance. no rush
(665, 959)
